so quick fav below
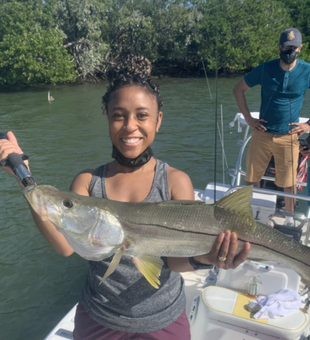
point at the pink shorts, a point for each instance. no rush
(88, 329)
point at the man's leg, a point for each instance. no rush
(286, 151)
(258, 157)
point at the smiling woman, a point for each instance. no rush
(133, 107)
(133, 120)
(132, 103)
(124, 301)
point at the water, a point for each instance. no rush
(38, 286)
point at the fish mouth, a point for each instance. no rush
(35, 198)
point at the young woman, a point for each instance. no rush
(125, 305)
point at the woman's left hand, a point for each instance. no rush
(223, 253)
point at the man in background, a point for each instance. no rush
(283, 84)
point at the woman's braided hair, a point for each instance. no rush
(130, 70)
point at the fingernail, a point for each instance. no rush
(221, 236)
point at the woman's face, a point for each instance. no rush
(133, 120)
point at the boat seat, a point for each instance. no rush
(227, 306)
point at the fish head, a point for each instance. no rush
(92, 231)
(66, 210)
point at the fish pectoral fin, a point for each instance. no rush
(114, 263)
(149, 267)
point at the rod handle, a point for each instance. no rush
(16, 162)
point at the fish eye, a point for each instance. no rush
(67, 203)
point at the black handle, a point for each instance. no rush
(3, 135)
(16, 162)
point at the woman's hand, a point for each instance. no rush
(8, 146)
(224, 252)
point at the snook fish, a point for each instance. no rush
(97, 228)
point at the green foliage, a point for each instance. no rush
(240, 34)
(230, 35)
(60, 40)
(174, 23)
(162, 30)
(31, 51)
(82, 23)
(33, 58)
(131, 32)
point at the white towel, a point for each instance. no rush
(281, 303)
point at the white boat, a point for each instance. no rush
(216, 299)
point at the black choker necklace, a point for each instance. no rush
(142, 159)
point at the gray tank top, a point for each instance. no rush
(125, 301)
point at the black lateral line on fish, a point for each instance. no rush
(240, 239)
(275, 251)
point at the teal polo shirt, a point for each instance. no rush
(282, 93)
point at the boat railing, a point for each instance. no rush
(241, 172)
(272, 192)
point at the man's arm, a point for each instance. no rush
(239, 92)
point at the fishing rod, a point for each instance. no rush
(16, 162)
(220, 131)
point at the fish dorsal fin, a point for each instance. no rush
(238, 202)
(114, 263)
(149, 267)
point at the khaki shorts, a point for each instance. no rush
(283, 148)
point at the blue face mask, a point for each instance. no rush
(289, 56)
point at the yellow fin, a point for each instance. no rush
(150, 268)
(239, 202)
(114, 263)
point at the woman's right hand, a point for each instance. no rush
(8, 146)
(48, 230)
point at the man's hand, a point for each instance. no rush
(256, 123)
(299, 129)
